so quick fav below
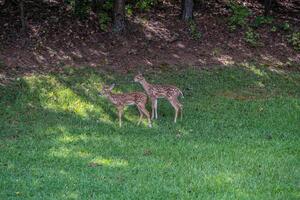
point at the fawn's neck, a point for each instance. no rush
(111, 98)
(145, 85)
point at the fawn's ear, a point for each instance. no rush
(112, 86)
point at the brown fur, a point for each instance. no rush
(121, 100)
(169, 92)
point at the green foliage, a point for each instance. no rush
(285, 26)
(261, 20)
(108, 5)
(145, 5)
(81, 8)
(104, 20)
(251, 37)
(239, 138)
(129, 10)
(193, 29)
(294, 39)
(104, 15)
(239, 15)
(273, 29)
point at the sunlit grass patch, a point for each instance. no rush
(99, 161)
(257, 70)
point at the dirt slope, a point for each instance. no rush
(156, 39)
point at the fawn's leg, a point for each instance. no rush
(174, 102)
(181, 109)
(141, 114)
(181, 112)
(146, 113)
(153, 108)
(156, 117)
(120, 112)
(179, 106)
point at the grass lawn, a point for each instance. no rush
(239, 137)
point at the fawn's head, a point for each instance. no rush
(106, 90)
(139, 77)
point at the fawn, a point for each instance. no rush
(121, 100)
(169, 92)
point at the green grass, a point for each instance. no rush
(239, 138)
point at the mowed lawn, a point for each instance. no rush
(239, 137)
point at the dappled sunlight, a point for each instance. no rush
(271, 59)
(180, 45)
(109, 162)
(76, 53)
(61, 152)
(3, 78)
(59, 97)
(225, 60)
(260, 84)
(202, 61)
(64, 152)
(83, 154)
(254, 69)
(39, 58)
(68, 138)
(148, 62)
(175, 55)
(277, 70)
(48, 56)
(155, 30)
(59, 55)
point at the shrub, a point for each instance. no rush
(261, 20)
(108, 5)
(251, 37)
(195, 33)
(129, 10)
(81, 9)
(239, 15)
(104, 16)
(104, 20)
(294, 39)
(145, 5)
(285, 26)
(274, 29)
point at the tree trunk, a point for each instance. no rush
(95, 6)
(187, 9)
(267, 6)
(119, 16)
(22, 15)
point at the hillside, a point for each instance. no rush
(154, 39)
